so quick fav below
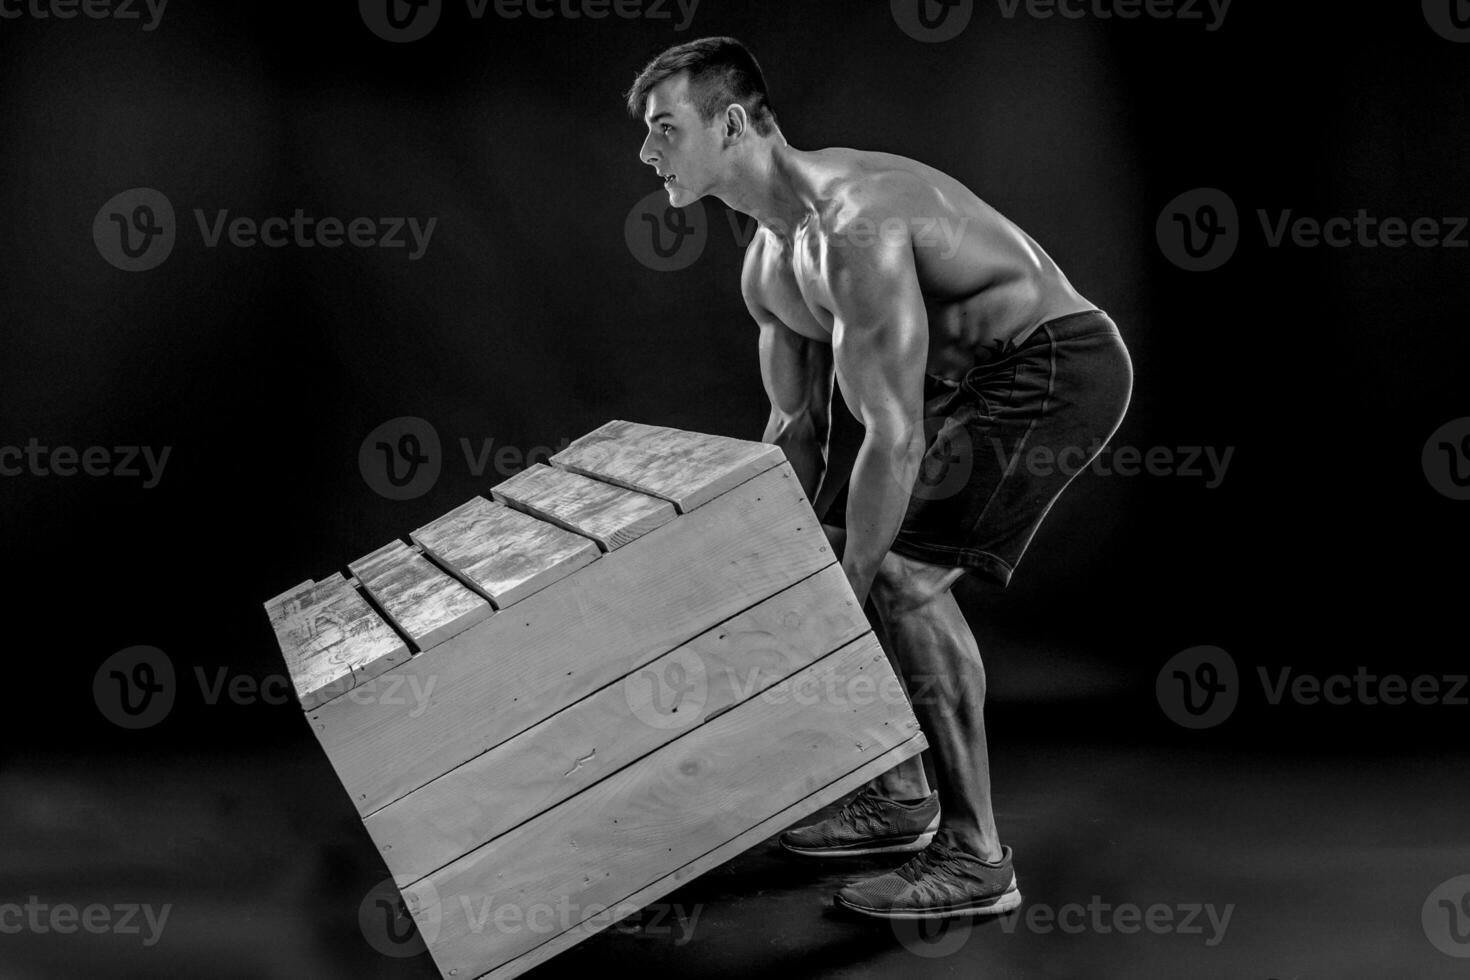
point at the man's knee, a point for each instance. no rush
(905, 585)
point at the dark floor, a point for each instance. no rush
(1323, 866)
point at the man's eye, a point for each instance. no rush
(665, 127)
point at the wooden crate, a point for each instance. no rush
(616, 674)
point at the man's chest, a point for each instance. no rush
(790, 285)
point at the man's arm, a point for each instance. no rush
(797, 374)
(880, 341)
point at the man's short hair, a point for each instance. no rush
(721, 71)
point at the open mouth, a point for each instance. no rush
(668, 179)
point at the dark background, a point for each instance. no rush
(529, 321)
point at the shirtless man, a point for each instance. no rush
(960, 346)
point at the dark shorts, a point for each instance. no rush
(1005, 441)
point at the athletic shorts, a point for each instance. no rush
(1007, 439)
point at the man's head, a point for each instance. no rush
(701, 101)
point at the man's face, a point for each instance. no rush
(680, 145)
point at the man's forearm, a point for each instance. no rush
(877, 498)
(804, 440)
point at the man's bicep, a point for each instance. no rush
(796, 371)
(881, 337)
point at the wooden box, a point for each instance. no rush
(558, 704)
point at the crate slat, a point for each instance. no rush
(331, 639)
(503, 554)
(687, 468)
(610, 515)
(424, 603)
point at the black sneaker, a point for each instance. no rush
(868, 824)
(940, 883)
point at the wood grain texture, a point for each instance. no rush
(424, 603)
(680, 802)
(503, 554)
(687, 468)
(516, 668)
(331, 639)
(615, 726)
(610, 515)
(710, 860)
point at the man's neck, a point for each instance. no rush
(769, 186)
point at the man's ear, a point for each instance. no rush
(736, 122)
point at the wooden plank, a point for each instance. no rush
(501, 553)
(504, 675)
(707, 862)
(686, 468)
(331, 639)
(609, 515)
(425, 604)
(680, 802)
(617, 725)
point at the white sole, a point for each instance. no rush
(1009, 901)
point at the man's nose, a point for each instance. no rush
(647, 155)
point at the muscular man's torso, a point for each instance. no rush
(984, 280)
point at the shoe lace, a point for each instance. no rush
(940, 860)
(864, 809)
